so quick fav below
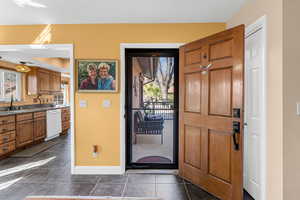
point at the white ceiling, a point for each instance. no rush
(27, 54)
(13, 12)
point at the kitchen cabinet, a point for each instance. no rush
(7, 134)
(39, 130)
(7, 148)
(42, 81)
(55, 81)
(21, 130)
(65, 119)
(25, 127)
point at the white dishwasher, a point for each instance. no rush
(53, 124)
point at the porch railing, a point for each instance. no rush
(161, 108)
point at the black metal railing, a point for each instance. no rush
(159, 108)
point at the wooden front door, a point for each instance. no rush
(211, 113)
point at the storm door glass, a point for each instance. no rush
(152, 111)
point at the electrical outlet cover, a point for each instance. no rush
(83, 103)
(106, 103)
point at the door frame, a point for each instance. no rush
(70, 49)
(123, 47)
(261, 24)
(130, 53)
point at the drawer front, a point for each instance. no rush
(8, 147)
(23, 117)
(7, 119)
(7, 137)
(39, 114)
(7, 127)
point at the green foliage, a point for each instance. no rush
(170, 97)
(152, 91)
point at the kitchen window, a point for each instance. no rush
(10, 85)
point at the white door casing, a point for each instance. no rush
(255, 109)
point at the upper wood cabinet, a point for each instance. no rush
(42, 81)
(55, 81)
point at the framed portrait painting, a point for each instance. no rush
(97, 75)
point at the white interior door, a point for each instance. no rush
(253, 113)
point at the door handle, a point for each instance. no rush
(236, 130)
(205, 68)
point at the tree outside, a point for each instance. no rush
(161, 89)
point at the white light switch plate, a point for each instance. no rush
(298, 108)
(82, 103)
(106, 103)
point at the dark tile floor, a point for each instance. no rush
(48, 173)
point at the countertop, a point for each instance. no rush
(15, 112)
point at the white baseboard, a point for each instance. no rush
(97, 170)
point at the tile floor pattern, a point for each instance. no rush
(48, 173)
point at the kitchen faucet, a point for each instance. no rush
(11, 102)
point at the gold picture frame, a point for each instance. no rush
(97, 75)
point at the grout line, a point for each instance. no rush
(186, 190)
(155, 185)
(94, 188)
(125, 185)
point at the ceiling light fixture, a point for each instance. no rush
(23, 68)
(31, 3)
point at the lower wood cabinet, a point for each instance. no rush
(7, 147)
(7, 137)
(65, 119)
(21, 130)
(24, 133)
(7, 134)
(39, 128)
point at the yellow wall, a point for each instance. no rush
(248, 14)
(95, 125)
